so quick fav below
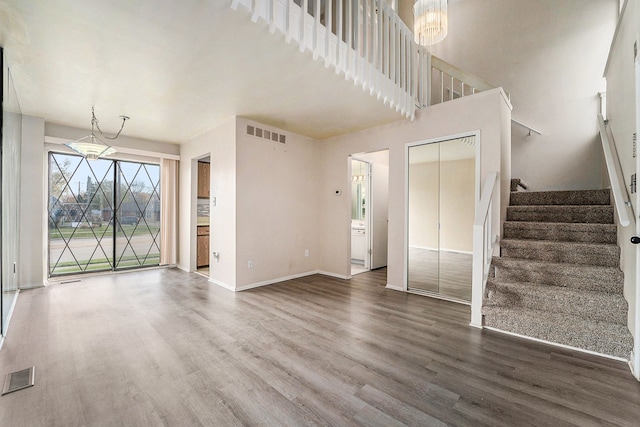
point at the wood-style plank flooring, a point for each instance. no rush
(163, 347)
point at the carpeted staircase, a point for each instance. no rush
(558, 277)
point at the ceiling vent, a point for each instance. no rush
(266, 134)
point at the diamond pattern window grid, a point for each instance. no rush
(81, 248)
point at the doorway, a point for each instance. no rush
(203, 207)
(441, 195)
(369, 211)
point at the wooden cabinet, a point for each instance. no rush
(202, 256)
(203, 180)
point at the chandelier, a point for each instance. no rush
(92, 147)
(430, 23)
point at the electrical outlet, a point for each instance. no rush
(250, 263)
(306, 252)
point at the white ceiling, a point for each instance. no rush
(176, 68)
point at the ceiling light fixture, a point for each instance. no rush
(430, 22)
(92, 147)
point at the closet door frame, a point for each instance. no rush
(478, 143)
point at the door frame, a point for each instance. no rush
(359, 157)
(193, 229)
(635, 362)
(478, 139)
(368, 222)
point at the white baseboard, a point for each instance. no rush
(394, 288)
(222, 284)
(337, 276)
(555, 344)
(183, 268)
(9, 316)
(33, 286)
(272, 281)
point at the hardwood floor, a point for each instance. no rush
(163, 347)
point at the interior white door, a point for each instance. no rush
(380, 214)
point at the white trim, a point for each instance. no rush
(9, 316)
(337, 276)
(123, 150)
(183, 268)
(478, 140)
(222, 284)
(33, 286)
(395, 288)
(272, 281)
(555, 344)
(79, 276)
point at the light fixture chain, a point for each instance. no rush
(94, 121)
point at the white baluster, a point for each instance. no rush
(328, 18)
(302, 41)
(339, 19)
(289, 28)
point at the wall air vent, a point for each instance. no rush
(266, 134)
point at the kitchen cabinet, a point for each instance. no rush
(203, 180)
(202, 255)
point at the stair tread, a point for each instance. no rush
(560, 243)
(535, 264)
(588, 304)
(582, 226)
(561, 207)
(562, 328)
(561, 197)
(550, 289)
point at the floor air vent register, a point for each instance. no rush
(19, 380)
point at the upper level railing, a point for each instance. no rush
(614, 169)
(363, 39)
(367, 42)
(448, 82)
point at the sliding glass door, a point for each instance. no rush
(103, 214)
(441, 207)
(10, 195)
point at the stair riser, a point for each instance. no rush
(611, 343)
(588, 305)
(589, 197)
(568, 214)
(552, 233)
(604, 257)
(606, 283)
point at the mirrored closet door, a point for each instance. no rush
(442, 193)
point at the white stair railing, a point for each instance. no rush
(363, 39)
(614, 169)
(484, 242)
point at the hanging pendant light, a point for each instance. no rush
(92, 147)
(430, 22)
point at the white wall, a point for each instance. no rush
(487, 112)
(549, 55)
(219, 144)
(33, 182)
(621, 110)
(277, 206)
